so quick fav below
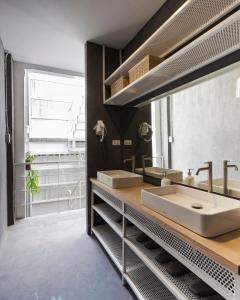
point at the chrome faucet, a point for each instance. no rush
(209, 169)
(144, 159)
(225, 174)
(132, 159)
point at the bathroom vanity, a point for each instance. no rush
(215, 261)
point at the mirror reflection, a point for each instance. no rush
(196, 135)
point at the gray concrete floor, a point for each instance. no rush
(52, 258)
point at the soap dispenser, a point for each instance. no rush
(189, 180)
(165, 181)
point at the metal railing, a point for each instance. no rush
(61, 187)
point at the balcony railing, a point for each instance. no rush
(61, 186)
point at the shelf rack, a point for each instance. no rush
(144, 283)
(148, 278)
(109, 215)
(189, 20)
(112, 243)
(109, 240)
(146, 286)
(221, 40)
(178, 285)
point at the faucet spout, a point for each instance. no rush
(201, 169)
(209, 169)
(226, 166)
(144, 159)
(132, 160)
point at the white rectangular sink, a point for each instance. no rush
(119, 178)
(207, 214)
(232, 185)
(157, 172)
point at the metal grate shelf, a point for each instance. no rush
(109, 215)
(218, 277)
(146, 286)
(112, 243)
(216, 43)
(109, 199)
(189, 20)
(178, 285)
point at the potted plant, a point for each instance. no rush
(32, 182)
(28, 159)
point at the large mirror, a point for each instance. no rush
(198, 124)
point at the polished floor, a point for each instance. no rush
(52, 258)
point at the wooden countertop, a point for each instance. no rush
(224, 249)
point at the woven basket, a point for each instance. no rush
(144, 66)
(119, 84)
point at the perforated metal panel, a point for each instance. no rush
(193, 17)
(146, 285)
(214, 44)
(220, 278)
(111, 200)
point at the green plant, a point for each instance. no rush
(29, 157)
(32, 182)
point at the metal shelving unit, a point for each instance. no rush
(178, 285)
(146, 286)
(113, 202)
(216, 43)
(215, 275)
(109, 215)
(111, 242)
(189, 20)
(149, 279)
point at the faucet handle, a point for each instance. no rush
(226, 161)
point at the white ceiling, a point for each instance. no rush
(53, 32)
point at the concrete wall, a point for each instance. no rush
(19, 121)
(205, 125)
(3, 156)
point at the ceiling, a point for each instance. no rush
(53, 32)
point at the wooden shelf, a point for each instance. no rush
(216, 43)
(189, 20)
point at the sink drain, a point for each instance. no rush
(197, 206)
